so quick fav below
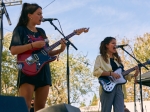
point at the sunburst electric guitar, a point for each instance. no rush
(108, 82)
(31, 62)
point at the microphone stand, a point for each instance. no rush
(68, 71)
(139, 65)
(2, 11)
(135, 109)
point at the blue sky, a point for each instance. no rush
(118, 18)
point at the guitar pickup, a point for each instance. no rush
(43, 52)
(36, 57)
(30, 60)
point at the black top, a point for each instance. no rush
(114, 65)
(21, 36)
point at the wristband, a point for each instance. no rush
(31, 45)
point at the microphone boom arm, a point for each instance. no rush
(134, 58)
(63, 35)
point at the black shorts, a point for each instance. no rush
(43, 78)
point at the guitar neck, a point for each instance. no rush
(58, 42)
(128, 71)
(132, 69)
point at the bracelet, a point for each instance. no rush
(31, 45)
(110, 73)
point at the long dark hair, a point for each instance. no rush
(103, 50)
(27, 9)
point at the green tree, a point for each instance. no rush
(82, 104)
(9, 71)
(141, 51)
(94, 101)
(80, 79)
(142, 48)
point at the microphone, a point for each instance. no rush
(120, 46)
(48, 19)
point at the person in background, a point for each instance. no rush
(105, 64)
(32, 105)
(26, 36)
(125, 109)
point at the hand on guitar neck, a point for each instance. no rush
(136, 71)
(109, 82)
(63, 44)
(136, 74)
(58, 51)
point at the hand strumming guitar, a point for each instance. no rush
(115, 75)
(136, 71)
(136, 74)
(38, 44)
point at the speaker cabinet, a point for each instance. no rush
(12, 104)
(60, 108)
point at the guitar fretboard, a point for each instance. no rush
(132, 69)
(58, 42)
(128, 71)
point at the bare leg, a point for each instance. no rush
(41, 97)
(26, 90)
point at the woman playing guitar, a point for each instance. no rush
(106, 63)
(26, 38)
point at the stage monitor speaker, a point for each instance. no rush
(12, 104)
(60, 108)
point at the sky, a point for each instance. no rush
(117, 18)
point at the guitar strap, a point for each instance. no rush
(43, 36)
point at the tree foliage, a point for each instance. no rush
(141, 51)
(8, 69)
(94, 101)
(142, 48)
(82, 104)
(80, 79)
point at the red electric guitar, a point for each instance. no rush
(31, 62)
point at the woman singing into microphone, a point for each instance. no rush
(105, 64)
(27, 36)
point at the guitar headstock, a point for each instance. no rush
(79, 31)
